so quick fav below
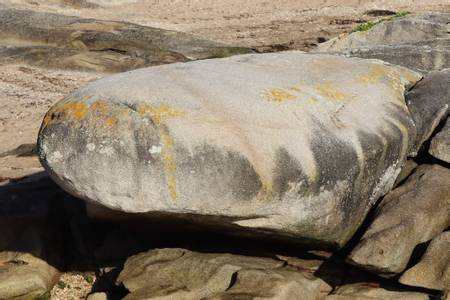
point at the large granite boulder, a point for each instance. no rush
(412, 214)
(429, 103)
(288, 145)
(59, 41)
(420, 42)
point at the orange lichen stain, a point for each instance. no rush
(159, 115)
(74, 110)
(101, 112)
(99, 106)
(330, 91)
(278, 95)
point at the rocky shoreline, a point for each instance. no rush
(384, 235)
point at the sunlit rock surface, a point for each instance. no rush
(287, 145)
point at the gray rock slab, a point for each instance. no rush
(414, 213)
(433, 269)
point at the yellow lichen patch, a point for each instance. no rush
(159, 113)
(376, 72)
(267, 189)
(330, 91)
(170, 166)
(278, 95)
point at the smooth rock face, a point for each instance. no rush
(420, 42)
(440, 144)
(58, 41)
(414, 213)
(289, 145)
(429, 103)
(433, 270)
(362, 291)
(183, 274)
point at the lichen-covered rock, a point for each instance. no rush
(429, 103)
(440, 144)
(420, 42)
(433, 270)
(288, 145)
(183, 274)
(412, 214)
(59, 41)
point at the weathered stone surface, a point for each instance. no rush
(420, 42)
(409, 167)
(414, 213)
(429, 102)
(182, 274)
(59, 41)
(433, 270)
(288, 145)
(363, 291)
(23, 275)
(440, 144)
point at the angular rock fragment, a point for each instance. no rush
(440, 144)
(288, 145)
(414, 213)
(52, 40)
(433, 270)
(363, 291)
(419, 42)
(183, 274)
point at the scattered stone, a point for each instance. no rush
(23, 275)
(287, 145)
(58, 41)
(183, 274)
(380, 13)
(73, 286)
(440, 144)
(429, 103)
(433, 270)
(414, 213)
(364, 291)
(419, 42)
